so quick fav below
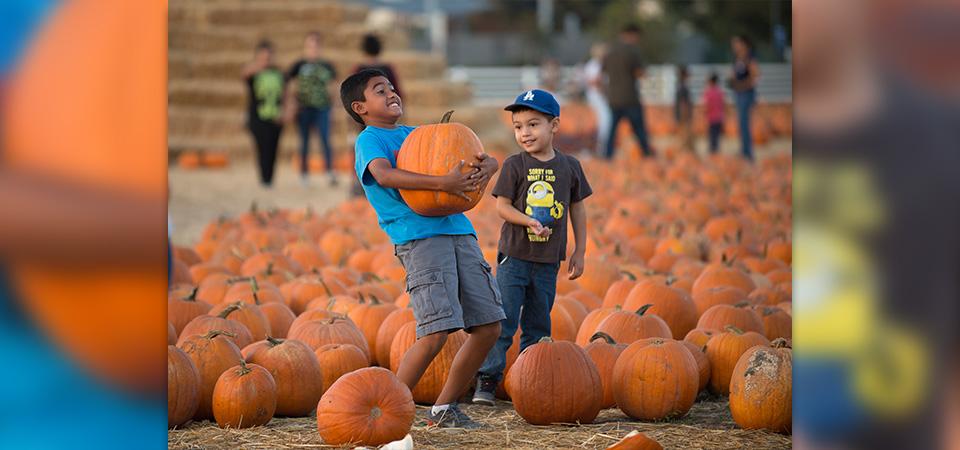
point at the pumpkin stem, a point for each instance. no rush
(780, 343)
(733, 329)
(374, 277)
(226, 311)
(643, 309)
(362, 298)
(325, 287)
(274, 341)
(768, 310)
(256, 298)
(446, 117)
(374, 300)
(670, 280)
(604, 336)
(330, 303)
(214, 333)
(269, 270)
(254, 285)
(243, 370)
(742, 305)
(545, 339)
(193, 295)
(629, 275)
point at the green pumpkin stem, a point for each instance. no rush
(243, 370)
(254, 285)
(604, 336)
(273, 342)
(629, 275)
(733, 329)
(193, 295)
(743, 304)
(326, 288)
(545, 339)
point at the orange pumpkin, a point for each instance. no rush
(183, 387)
(245, 396)
(368, 317)
(703, 363)
(555, 382)
(724, 350)
(295, 371)
(761, 388)
(337, 360)
(367, 407)
(672, 305)
(388, 330)
(180, 311)
(604, 351)
(431, 383)
(436, 150)
(655, 379)
(212, 354)
(335, 330)
(741, 316)
(626, 327)
(636, 440)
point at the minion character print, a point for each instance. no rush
(541, 206)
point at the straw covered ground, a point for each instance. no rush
(707, 426)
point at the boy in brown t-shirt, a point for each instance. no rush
(537, 189)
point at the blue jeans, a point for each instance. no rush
(745, 101)
(635, 115)
(527, 289)
(308, 118)
(715, 130)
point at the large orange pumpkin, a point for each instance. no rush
(626, 327)
(235, 331)
(555, 382)
(655, 379)
(367, 407)
(295, 371)
(761, 388)
(436, 150)
(670, 304)
(245, 396)
(317, 333)
(718, 317)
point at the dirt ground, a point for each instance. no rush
(707, 426)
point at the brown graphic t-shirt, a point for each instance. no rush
(543, 190)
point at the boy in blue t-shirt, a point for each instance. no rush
(450, 285)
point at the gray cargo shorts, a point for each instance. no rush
(450, 285)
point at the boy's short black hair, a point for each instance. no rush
(372, 45)
(264, 44)
(351, 90)
(520, 108)
(714, 78)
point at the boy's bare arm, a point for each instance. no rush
(454, 182)
(578, 218)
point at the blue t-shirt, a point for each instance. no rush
(395, 217)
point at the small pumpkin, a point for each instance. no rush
(436, 150)
(590, 324)
(724, 350)
(180, 311)
(776, 323)
(336, 360)
(703, 363)
(604, 351)
(212, 354)
(670, 304)
(555, 382)
(294, 369)
(236, 331)
(761, 388)
(626, 327)
(245, 396)
(636, 440)
(369, 406)
(719, 295)
(183, 387)
(699, 336)
(247, 314)
(718, 317)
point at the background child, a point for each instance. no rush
(265, 84)
(714, 105)
(450, 285)
(312, 79)
(537, 189)
(683, 110)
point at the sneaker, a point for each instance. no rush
(485, 393)
(452, 417)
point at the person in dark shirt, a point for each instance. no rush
(623, 65)
(683, 110)
(312, 79)
(743, 81)
(372, 47)
(538, 189)
(265, 84)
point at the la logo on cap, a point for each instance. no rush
(528, 97)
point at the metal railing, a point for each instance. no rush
(498, 84)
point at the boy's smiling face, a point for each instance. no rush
(534, 132)
(381, 103)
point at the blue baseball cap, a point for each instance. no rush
(538, 100)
